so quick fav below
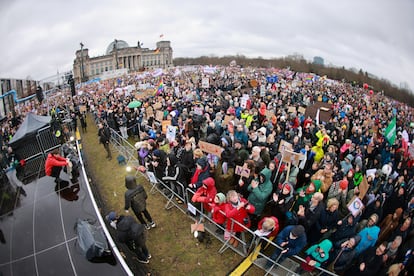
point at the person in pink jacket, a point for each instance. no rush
(237, 209)
(206, 193)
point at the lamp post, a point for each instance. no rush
(116, 53)
(82, 69)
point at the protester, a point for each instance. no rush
(136, 198)
(132, 234)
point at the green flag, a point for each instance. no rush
(391, 132)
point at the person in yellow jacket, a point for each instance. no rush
(323, 140)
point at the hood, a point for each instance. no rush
(326, 245)
(209, 182)
(266, 173)
(130, 182)
(202, 162)
(317, 184)
(173, 159)
(262, 129)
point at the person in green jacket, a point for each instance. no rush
(260, 189)
(305, 193)
(316, 256)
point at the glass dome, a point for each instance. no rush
(119, 45)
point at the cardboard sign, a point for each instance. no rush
(210, 148)
(157, 106)
(292, 109)
(150, 112)
(159, 115)
(242, 171)
(165, 124)
(285, 145)
(269, 114)
(205, 82)
(82, 108)
(301, 110)
(198, 110)
(292, 157)
(363, 187)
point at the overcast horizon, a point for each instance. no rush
(375, 36)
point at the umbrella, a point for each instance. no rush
(134, 104)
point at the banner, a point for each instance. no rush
(210, 148)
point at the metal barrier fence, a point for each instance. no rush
(35, 154)
(247, 242)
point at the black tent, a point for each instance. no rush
(31, 124)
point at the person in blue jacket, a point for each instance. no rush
(291, 240)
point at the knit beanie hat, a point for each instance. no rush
(221, 197)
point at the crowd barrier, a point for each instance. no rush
(248, 242)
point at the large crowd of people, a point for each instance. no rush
(246, 113)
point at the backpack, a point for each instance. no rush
(91, 240)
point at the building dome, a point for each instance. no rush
(119, 45)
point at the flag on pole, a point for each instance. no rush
(391, 131)
(160, 88)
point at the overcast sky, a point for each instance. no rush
(40, 38)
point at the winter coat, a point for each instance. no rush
(206, 194)
(312, 252)
(136, 198)
(129, 230)
(54, 161)
(369, 236)
(223, 177)
(241, 216)
(308, 195)
(294, 246)
(259, 196)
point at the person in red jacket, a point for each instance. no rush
(206, 193)
(54, 164)
(237, 209)
(218, 212)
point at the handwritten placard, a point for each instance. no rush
(291, 109)
(157, 106)
(210, 148)
(269, 114)
(150, 111)
(285, 145)
(165, 124)
(301, 110)
(242, 171)
(292, 157)
(159, 115)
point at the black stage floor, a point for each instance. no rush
(39, 233)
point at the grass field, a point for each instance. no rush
(174, 250)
